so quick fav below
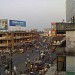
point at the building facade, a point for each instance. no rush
(47, 32)
(16, 39)
(70, 11)
(57, 33)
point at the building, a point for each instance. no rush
(70, 38)
(70, 11)
(57, 33)
(13, 34)
(69, 50)
(16, 39)
(47, 32)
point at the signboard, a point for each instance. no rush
(61, 63)
(53, 33)
(53, 25)
(17, 23)
(3, 24)
(65, 26)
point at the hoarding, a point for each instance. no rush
(53, 25)
(17, 23)
(65, 26)
(53, 33)
(3, 24)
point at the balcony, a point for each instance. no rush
(17, 37)
(3, 38)
(62, 51)
(3, 44)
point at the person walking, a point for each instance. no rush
(26, 64)
(15, 69)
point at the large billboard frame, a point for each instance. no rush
(17, 23)
(3, 24)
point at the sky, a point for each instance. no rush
(38, 14)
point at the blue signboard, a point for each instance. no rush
(17, 23)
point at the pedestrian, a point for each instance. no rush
(26, 64)
(14, 73)
(1, 73)
(35, 59)
(31, 66)
(32, 50)
(15, 69)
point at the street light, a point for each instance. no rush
(11, 62)
(12, 41)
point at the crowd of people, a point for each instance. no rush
(38, 66)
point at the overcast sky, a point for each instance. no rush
(38, 14)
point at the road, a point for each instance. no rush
(52, 70)
(19, 60)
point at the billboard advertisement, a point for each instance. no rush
(53, 33)
(53, 25)
(17, 23)
(65, 26)
(3, 24)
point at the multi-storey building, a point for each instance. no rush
(14, 39)
(70, 11)
(70, 38)
(65, 54)
(57, 33)
(47, 32)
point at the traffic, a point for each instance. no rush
(35, 61)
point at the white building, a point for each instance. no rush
(70, 10)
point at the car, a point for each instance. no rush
(32, 73)
(38, 65)
(7, 51)
(20, 51)
(47, 65)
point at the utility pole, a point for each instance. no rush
(11, 62)
(12, 41)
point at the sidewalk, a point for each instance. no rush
(52, 70)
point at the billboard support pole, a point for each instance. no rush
(12, 35)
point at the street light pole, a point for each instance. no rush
(11, 62)
(12, 41)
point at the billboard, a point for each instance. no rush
(53, 25)
(53, 33)
(17, 23)
(3, 24)
(65, 26)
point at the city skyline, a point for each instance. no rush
(38, 14)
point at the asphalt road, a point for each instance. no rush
(20, 59)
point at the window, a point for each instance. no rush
(0, 35)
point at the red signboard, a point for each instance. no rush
(53, 33)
